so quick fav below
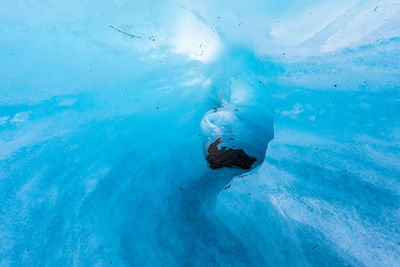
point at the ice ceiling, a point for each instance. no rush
(107, 109)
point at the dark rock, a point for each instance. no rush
(228, 158)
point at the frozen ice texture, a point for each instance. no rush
(107, 107)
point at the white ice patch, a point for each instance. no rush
(194, 38)
(4, 120)
(67, 102)
(94, 179)
(20, 117)
(345, 228)
(91, 185)
(378, 14)
(218, 123)
(301, 24)
(191, 82)
(241, 93)
(297, 109)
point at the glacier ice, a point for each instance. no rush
(107, 110)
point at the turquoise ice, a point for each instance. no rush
(107, 108)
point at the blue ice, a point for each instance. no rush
(107, 109)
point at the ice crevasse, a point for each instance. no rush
(107, 110)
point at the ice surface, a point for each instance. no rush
(107, 108)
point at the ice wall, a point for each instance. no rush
(103, 129)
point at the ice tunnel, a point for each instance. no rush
(200, 133)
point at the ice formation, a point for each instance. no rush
(107, 109)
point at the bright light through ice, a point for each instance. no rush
(195, 39)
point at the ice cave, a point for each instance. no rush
(200, 133)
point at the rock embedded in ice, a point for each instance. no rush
(220, 158)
